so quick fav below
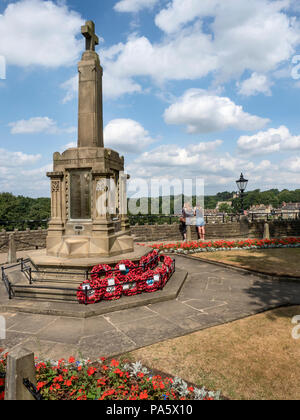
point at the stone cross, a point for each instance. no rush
(88, 31)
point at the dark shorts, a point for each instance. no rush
(182, 227)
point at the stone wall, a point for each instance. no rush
(36, 239)
(28, 239)
(278, 228)
(144, 233)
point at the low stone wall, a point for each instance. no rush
(28, 239)
(36, 239)
(165, 232)
(278, 228)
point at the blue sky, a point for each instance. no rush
(192, 88)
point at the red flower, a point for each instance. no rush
(144, 395)
(41, 385)
(58, 379)
(91, 371)
(114, 363)
(119, 372)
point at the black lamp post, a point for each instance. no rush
(242, 185)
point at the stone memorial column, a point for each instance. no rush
(90, 118)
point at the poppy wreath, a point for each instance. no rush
(150, 261)
(128, 265)
(154, 259)
(150, 281)
(131, 282)
(123, 269)
(169, 262)
(111, 287)
(89, 292)
(100, 270)
(144, 261)
(164, 273)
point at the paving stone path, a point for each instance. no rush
(211, 296)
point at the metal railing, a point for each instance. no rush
(29, 386)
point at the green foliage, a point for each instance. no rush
(14, 210)
(226, 208)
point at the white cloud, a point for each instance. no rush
(179, 12)
(70, 145)
(257, 83)
(71, 89)
(171, 162)
(134, 5)
(33, 125)
(126, 135)
(218, 170)
(43, 33)
(270, 141)
(203, 112)
(188, 56)
(175, 160)
(10, 159)
(291, 164)
(256, 36)
(115, 86)
(38, 125)
(24, 180)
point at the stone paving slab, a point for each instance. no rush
(210, 296)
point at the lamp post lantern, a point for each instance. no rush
(242, 185)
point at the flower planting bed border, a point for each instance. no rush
(187, 250)
(107, 379)
(224, 245)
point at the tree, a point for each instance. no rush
(225, 208)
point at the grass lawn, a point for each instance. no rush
(271, 261)
(254, 358)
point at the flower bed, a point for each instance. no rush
(126, 279)
(110, 380)
(213, 246)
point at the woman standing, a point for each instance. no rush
(185, 219)
(200, 222)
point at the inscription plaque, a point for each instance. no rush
(80, 195)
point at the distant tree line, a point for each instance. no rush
(15, 210)
(272, 197)
(19, 212)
